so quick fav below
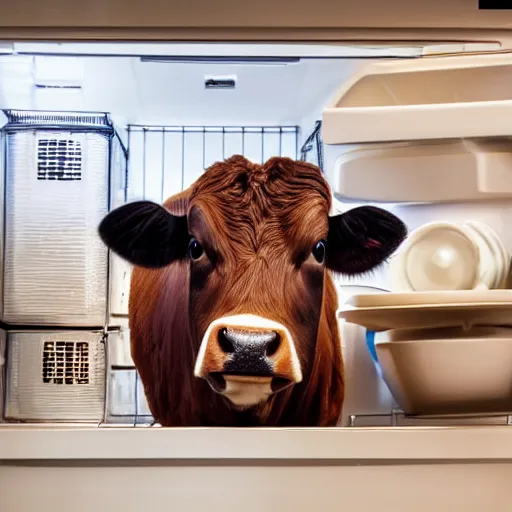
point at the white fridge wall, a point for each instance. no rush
(173, 93)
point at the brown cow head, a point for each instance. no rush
(254, 243)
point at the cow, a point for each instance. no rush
(232, 306)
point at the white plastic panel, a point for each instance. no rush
(120, 275)
(55, 376)
(280, 485)
(422, 171)
(119, 352)
(55, 263)
(366, 394)
(427, 98)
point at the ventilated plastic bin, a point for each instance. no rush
(55, 376)
(56, 193)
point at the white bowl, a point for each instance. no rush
(448, 371)
(450, 256)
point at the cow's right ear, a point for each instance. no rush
(145, 234)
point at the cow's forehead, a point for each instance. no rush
(280, 200)
(278, 182)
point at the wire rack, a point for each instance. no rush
(167, 159)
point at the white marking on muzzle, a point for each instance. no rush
(240, 390)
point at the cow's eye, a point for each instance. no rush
(319, 251)
(195, 249)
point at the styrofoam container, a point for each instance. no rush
(448, 371)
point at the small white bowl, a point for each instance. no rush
(448, 371)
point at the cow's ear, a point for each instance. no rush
(145, 234)
(362, 238)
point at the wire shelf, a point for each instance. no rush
(164, 160)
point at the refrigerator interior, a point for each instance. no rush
(177, 116)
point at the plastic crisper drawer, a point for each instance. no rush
(427, 98)
(422, 171)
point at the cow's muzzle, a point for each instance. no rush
(247, 358)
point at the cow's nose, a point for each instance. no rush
(250, 352)
(247, 358)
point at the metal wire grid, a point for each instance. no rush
(167, 159)
(312, 149)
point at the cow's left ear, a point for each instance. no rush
(362, 238)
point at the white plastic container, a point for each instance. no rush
(433, 129)
(448, 371)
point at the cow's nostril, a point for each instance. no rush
(225, 343)
(273, 346)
